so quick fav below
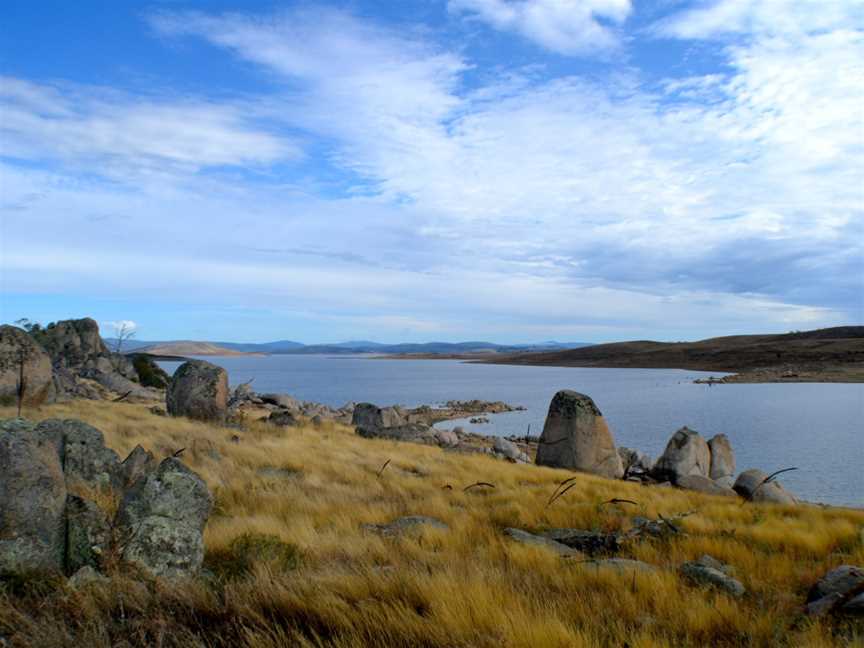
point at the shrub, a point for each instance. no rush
(149, 373)
(250, 549)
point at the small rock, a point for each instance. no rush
(526, 538)
(509, 450)
(750, 485)
(840, 589)
(283, 418)
(406, 524)
(622, 565)
(699, 573)
(704, 485)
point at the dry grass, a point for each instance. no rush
(467, 587)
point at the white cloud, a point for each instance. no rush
(125, 134)
(569, 27)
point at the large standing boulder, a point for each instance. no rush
(163, 516)
(17, 347)
(77, 345)
(198, 390)
(371, 418)
(32, 500)
(751, 486)
(576, 436)
(722, 460)
(687, 453)
(82, 452)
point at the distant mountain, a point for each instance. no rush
(170, 347)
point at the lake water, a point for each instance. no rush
(818, 428)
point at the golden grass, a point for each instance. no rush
(470, 586)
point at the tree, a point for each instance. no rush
(123, 331)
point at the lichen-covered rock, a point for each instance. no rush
(576, 436)
(140, 462)
(283, 418)
(82, 451)
(88, 534)
(198, 390)
(722, 460)
(164, 515)
(447, 438)
(17, 347)
(751, 486)
(32, 500)
(687, 453)
(76, 345)
(532, 540)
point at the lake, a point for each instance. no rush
(816, 427)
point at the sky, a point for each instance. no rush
(504, 170)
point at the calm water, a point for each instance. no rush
(817, 427)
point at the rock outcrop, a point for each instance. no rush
(82, 452)
(20, 353)
(370, 418)
(576, 437)
(751, 486)
(722, 460)
(163, 514)
(32, 500)
(198, 390)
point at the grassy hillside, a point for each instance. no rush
(189, 349)
(332, 583)
(824, 349)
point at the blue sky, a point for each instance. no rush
(511, 170)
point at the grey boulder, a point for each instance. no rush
(751, 486)
(575, 436)
(687, 453)
(370, 418)
(509, 450)
(704, 485)
(82, 451)
(17, 347)
(32, 500)
(198, 390)
(711, 572)
(722, 460)
(163, 516)
(841, 589)
(530, 539)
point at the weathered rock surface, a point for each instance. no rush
(82, 452)
(17, 346)
(576, 437)
(405, 524)
(709, 571)
(704, 485)
(371, 418)
(750, 485)
(281, 400)
(88, 534)
(622, 565)
(592, 543)
(32, 500)
(530, 539)
(635, 462)
(76, 345)
(447, 438)
(687, 453)
(722, 460)
(164, 515)
(139, 463)
(841, 590)
(198, 390)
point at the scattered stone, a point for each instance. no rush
(576, 436)
(198, 390)
(687, 453)
(17, 347)
(88, 534)
(592, 543)
(750, 485)
(402, 525)
(704, 485)
(622, 565)
(32, 500)
(526, 538)
(163, 515)
(703, 574)
(722, 460)
(283, 418)
(840, 590)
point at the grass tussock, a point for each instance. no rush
(289, 564)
